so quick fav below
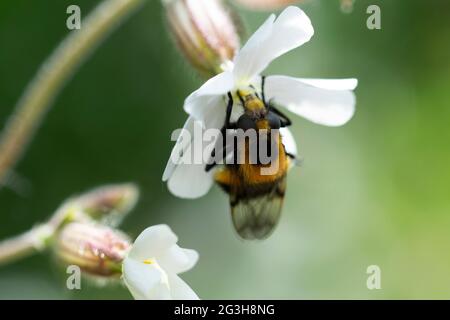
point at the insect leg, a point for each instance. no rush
(209, 166)
(229, 109)
(263, 83)
(241, 98)
(285, 121)
(227, 125)
(290, 155)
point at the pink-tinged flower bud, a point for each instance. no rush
(205, 31)
(108, 204)
(97, 250)
(266, 4)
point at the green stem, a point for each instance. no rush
(53, 74)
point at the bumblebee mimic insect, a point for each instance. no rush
(256, 199)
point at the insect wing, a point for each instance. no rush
(256, 217)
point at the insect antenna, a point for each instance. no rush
(256, 93)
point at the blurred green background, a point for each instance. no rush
(376, 191)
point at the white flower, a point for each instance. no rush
(325, 102)
(151, 267)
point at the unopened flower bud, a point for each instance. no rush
(205, 31)
(108, 204)
(96, 250)
(266, 4)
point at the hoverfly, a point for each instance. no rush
(256, 199)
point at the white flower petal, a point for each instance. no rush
(190, 181)
(186, 179)
(245, 62)
(288, 141)
(209, 110)
(201, 100)
(179, 148)
(290, 30)
(177, 260)
(145, 281)
(318, 104)
(153, 242)
(219, 84)
(180, 290)
(331, 84)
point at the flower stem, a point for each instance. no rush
(25, 244)
(51, 77)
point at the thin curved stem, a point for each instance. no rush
(25, 244)
(53, 74)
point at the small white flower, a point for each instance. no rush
(151, 267)
(325, 102)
